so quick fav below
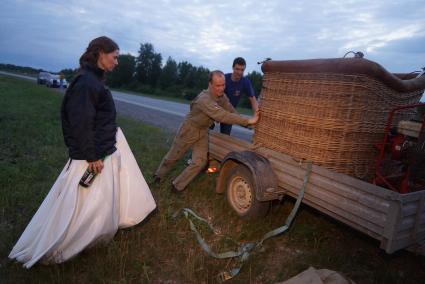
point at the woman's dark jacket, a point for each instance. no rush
(88, 117)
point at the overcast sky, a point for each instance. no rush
(53, 34)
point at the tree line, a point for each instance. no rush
(146, 73)
(19, 69)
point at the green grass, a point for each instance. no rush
(163, 249)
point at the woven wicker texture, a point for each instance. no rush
(333, 120)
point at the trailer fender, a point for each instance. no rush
(264, 178)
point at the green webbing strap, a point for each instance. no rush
(201, 241)
(244, 249)
(294, 211)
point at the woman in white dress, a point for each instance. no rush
(73, 217)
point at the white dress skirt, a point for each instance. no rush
(72, 217)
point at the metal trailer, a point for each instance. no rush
(396, 220)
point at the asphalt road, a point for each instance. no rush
(159, 113)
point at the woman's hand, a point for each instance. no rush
(254, 119)
(96, 166)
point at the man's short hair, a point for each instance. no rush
(239, 61)
(214, 73)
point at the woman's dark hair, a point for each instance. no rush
(90, 57)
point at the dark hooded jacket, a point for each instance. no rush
(88, 117)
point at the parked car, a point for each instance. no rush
(43, 77)
(54, 81)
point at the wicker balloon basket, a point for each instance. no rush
(330, 117)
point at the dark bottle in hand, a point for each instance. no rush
(87, 178)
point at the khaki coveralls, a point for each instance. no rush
(193, 133)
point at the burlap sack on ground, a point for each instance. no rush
(318, 276)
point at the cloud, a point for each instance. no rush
(53, 34)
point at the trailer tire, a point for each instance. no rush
(241, 195)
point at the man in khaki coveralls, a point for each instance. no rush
(209, 106)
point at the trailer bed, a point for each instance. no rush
(396, 220)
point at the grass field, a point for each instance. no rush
(163, 249)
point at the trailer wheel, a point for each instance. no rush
(240, 193)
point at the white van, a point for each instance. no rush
(54, 81)
(43, 77)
